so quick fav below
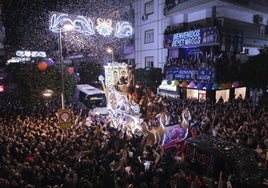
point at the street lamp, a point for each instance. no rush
(62, 28)
(47, 93)
(110, 51)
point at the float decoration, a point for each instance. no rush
(125, 113)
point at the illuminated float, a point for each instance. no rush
(125, 114)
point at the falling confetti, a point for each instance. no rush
(27, 26)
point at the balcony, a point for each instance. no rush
(173, 6)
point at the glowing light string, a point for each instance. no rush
(81, 24)
(104, 27)
(57, 22)
(85, 25)
(21, 53)
(123, 29)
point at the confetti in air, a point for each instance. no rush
(32, 31)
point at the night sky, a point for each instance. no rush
(27, 25)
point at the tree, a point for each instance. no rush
(89, 73)
(150, 77)
(31, 82)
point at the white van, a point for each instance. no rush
(90, 97)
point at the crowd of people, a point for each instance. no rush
(225, 68)
(36, 152)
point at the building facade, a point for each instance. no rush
(243, 23)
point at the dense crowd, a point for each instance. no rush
(35, 152)
(226, 68)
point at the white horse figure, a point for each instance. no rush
(156, 134)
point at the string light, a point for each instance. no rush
(85, 25)
(104, 27)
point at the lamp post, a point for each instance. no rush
(47, 93)
(110, 51)
(66, 27)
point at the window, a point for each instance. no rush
(262, 30)
(149, 8)
(149, 61)
(149, 36)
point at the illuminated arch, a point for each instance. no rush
(84, 25)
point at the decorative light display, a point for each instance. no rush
(84, 25)
(81, 24)
(26, 56)
(104, 27)
(123, 29)
(27, 53)
(18, 60)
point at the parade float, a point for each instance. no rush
(125, 110)
(124, 113)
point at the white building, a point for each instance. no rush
(155, 17)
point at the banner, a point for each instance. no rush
(197, 75)
(198, 37)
